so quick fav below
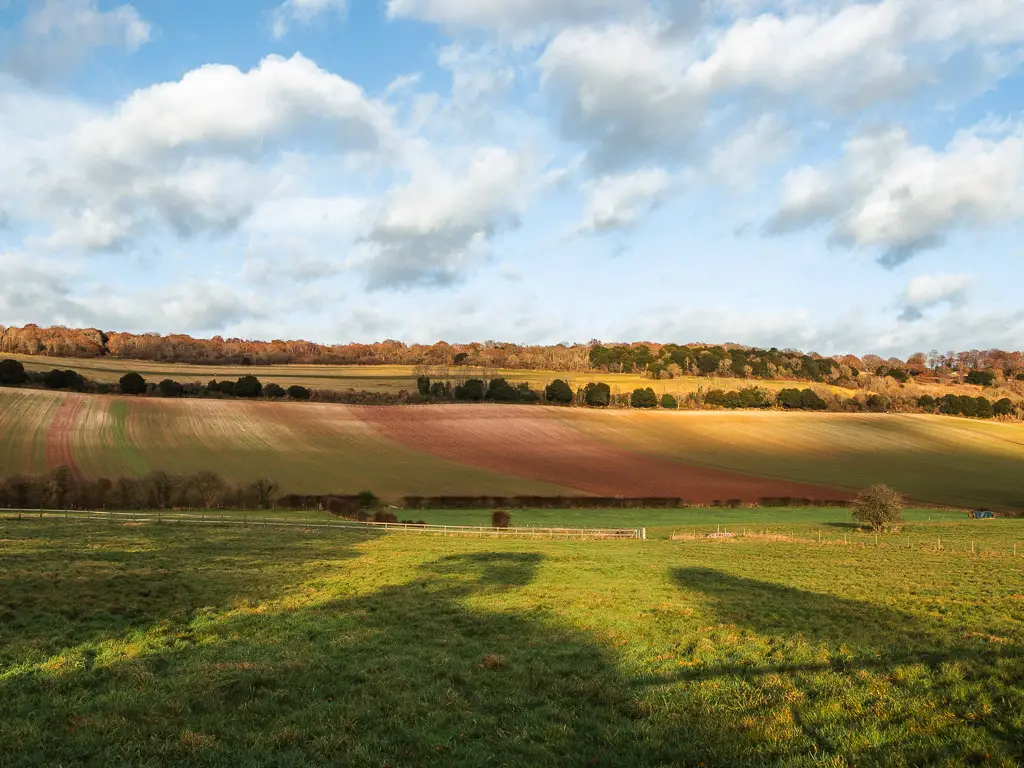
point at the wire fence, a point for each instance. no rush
(983, 545)
(262, 521)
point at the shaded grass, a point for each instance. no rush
(155, 644)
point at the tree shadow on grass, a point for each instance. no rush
(87, 584)
(820, 645)
(407, 675)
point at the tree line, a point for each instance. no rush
(13, 374)
(651, 359)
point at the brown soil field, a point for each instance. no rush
(530, 441)
(59, 436)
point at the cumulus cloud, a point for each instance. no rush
(761, 142)
(927, 291)
(639, 89)
(57, 34)
(194, 155)
(889, 194)
(478, 76)
(618, 201)
(430, 230)
(303, 12)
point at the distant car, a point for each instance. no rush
(982, 514)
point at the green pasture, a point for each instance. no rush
(150, 645)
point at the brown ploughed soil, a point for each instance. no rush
(522, 440)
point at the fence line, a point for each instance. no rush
(918, 542)
(277, 522)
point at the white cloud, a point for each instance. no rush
(441, 222)
(511, 17)
(193, 156)
(759, 143)
(640, 89)
(617, 201)
(889, 194)
(303, 12)
(927, 291)
(477, 76)
(56, 34)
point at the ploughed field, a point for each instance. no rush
(161, 644)
(506, 450)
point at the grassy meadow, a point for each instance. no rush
(150, 645)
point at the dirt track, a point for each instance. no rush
(522, 440)
(59, 435)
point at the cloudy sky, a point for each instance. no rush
(832, 175)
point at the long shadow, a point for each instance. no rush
(856, 638)
(64, 594)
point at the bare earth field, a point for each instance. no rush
(511, 450)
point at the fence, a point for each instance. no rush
(906, 541)
(348, 525)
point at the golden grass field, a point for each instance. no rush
(509, 450)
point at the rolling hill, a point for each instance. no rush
(510, 450)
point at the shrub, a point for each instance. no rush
(812, 401)
(12, 372)
(900, 375)
(501, 391)
(385, 516)
(790, 399)
(248, 386)
(441, 390)
(133, 384)
(366, 499)
(879, 506)
(526, 394)
(66, 379)
(423, 385)
(668, 401)
(1003, 407)
(273, 391)
(597, 394)
(878, 403)
(983, 409)
(927, 402)
(558, 391)
(643, 398)
(500, 519)
(981, 378)
(472, 390)
(1020, 377)
(295, 392)
(170, 388)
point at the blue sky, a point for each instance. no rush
(830, 175)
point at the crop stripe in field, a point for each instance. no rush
(59, 436)
(122, 443)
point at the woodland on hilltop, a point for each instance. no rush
(658, 361)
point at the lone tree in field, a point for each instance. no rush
(879, 506)
(133, 384)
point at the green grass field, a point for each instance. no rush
(159, 644)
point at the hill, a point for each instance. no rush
(509, 450)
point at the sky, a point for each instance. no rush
(838, 176)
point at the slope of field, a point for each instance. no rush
(510, 450)
(160, 645)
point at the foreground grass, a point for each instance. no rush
(152, 645)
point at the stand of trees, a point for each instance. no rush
(982, 367)
(61, 489)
